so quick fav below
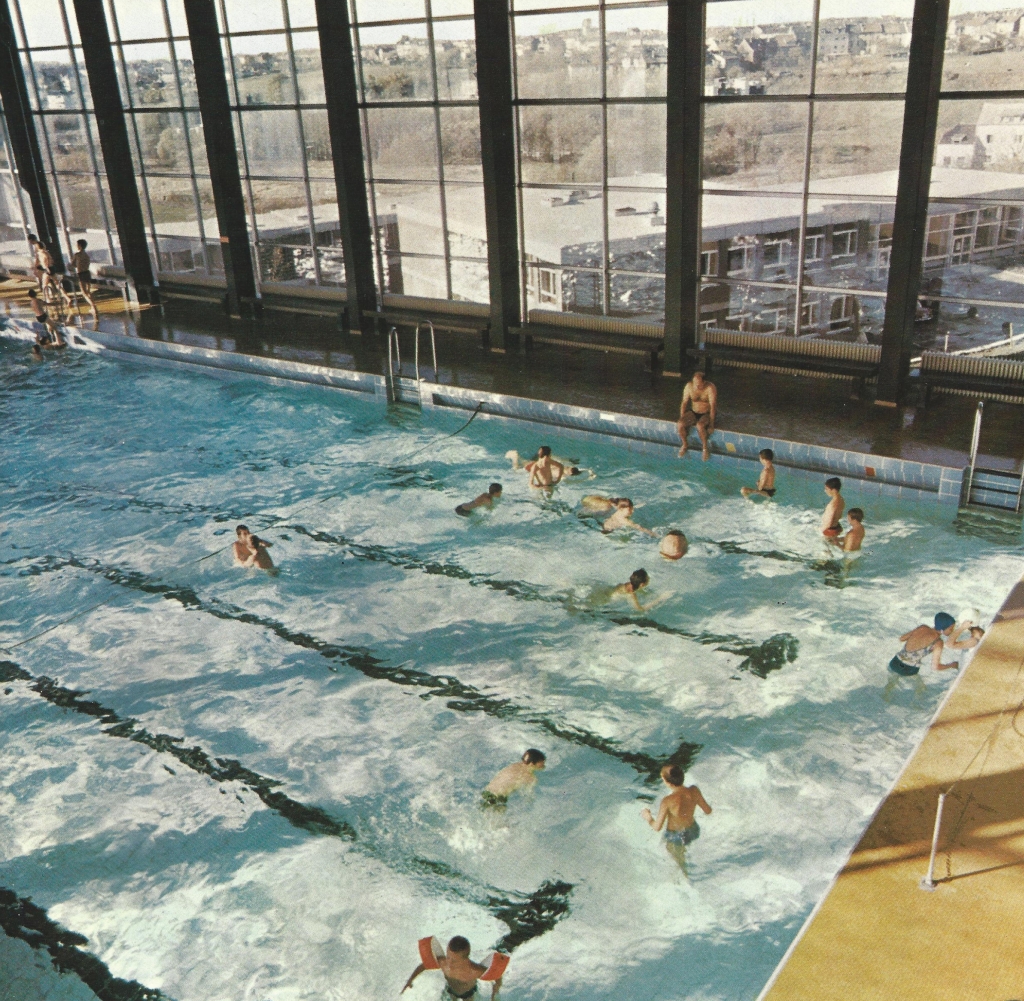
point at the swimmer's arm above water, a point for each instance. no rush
(415, 973)
(662, 815)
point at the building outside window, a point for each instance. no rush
(801, 103)
(416, 67)
(590, 119)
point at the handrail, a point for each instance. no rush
(433, 347)
(975, 441)
(393, 339)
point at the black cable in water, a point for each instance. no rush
(479, 407)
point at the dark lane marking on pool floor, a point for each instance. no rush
(527, 917)
(462, 697)
(759, 659)
(24, 920)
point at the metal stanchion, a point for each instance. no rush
(928, 883)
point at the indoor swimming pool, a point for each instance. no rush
(269, 785)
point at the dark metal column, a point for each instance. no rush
(24, 143)
(498, 158)
(683, 166)
(924, 80)
(117, 154)
(342, 97)
(215, 110)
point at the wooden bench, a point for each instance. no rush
(781, 353)
(610, 334)
(990, 378)
(452, 315)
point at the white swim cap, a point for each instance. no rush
(969, 615)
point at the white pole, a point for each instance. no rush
(928, 883)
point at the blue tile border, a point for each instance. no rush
(883, 475)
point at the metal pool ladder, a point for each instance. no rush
(394, 378)
(995, 492)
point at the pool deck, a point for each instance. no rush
(878, 934)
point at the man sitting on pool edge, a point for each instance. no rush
(460, 972)
(519, 775)
(482, 500)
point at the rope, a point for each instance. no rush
(479, 407)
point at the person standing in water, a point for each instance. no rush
(831, 526)
(622, 517)
(519, 775)
(545, 471)
(675, 814)
(766, 481)
(854, 538)
(460, 972)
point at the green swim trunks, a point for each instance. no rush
(490, 799)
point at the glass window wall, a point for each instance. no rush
(590, 89)
(15, 213)
(803, 107)
(58, 87)
(416, 64)
(972, 284)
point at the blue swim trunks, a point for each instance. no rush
(683, 837)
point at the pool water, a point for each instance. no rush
(271, 789)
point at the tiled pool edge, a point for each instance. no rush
(875, 475)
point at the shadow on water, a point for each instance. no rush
(527, 914)
(21, 919)
(461, 697)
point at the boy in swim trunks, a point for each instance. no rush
(482, 500)
(622, 517)
(830, 518)
(81, 264)
(851, 542)
(766, 481)
(675, 814)
(460, 972)
(519, 775)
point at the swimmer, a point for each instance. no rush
(698, 409)
(460, 972)
(240, 548)
(766, 481)
(42, 317)
(851, 542)
(622, 518)
(544, 471)
(638, 580)
(570, 470)
(674, 545)
(676, 812)
(919, 646)
(483, 500)
(830, 518)
(519, 775)
(966, 647)
(37, 353)
(251, 551)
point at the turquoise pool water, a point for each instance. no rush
(271, 789)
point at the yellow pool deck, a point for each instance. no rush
(877, 934)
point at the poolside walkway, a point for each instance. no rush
(878, 935)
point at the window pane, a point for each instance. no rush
(389, 10)
(244, 15)
(282, 222)
(460, 144)
(636, 46)
(743, 229)
(636, 141)
(396, 63)
(82, 211)
(263, 70)
(749, 308)
(272, 143)
(636, 230)
(754, 146)
(455, 52)
(423, 276)
(176, 11)
(451, 8)
(68, 142)
(198, 141)
(560, 143)
(982, 46)
(854, 145)
(328, 233)
(638, 297)
(44, 24)
(302, 13)
(162, 142)
(55, 77)
(151, 75)
(12, 233)
(414, 212)
(847, 243)
(176, 220)
(558, 55)
(467, 229)
(139, 19)
(403, 142)
(318, 144)
(306, 45)
(864, 54)
(563, 226)
(186, 73)
(753, 47)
